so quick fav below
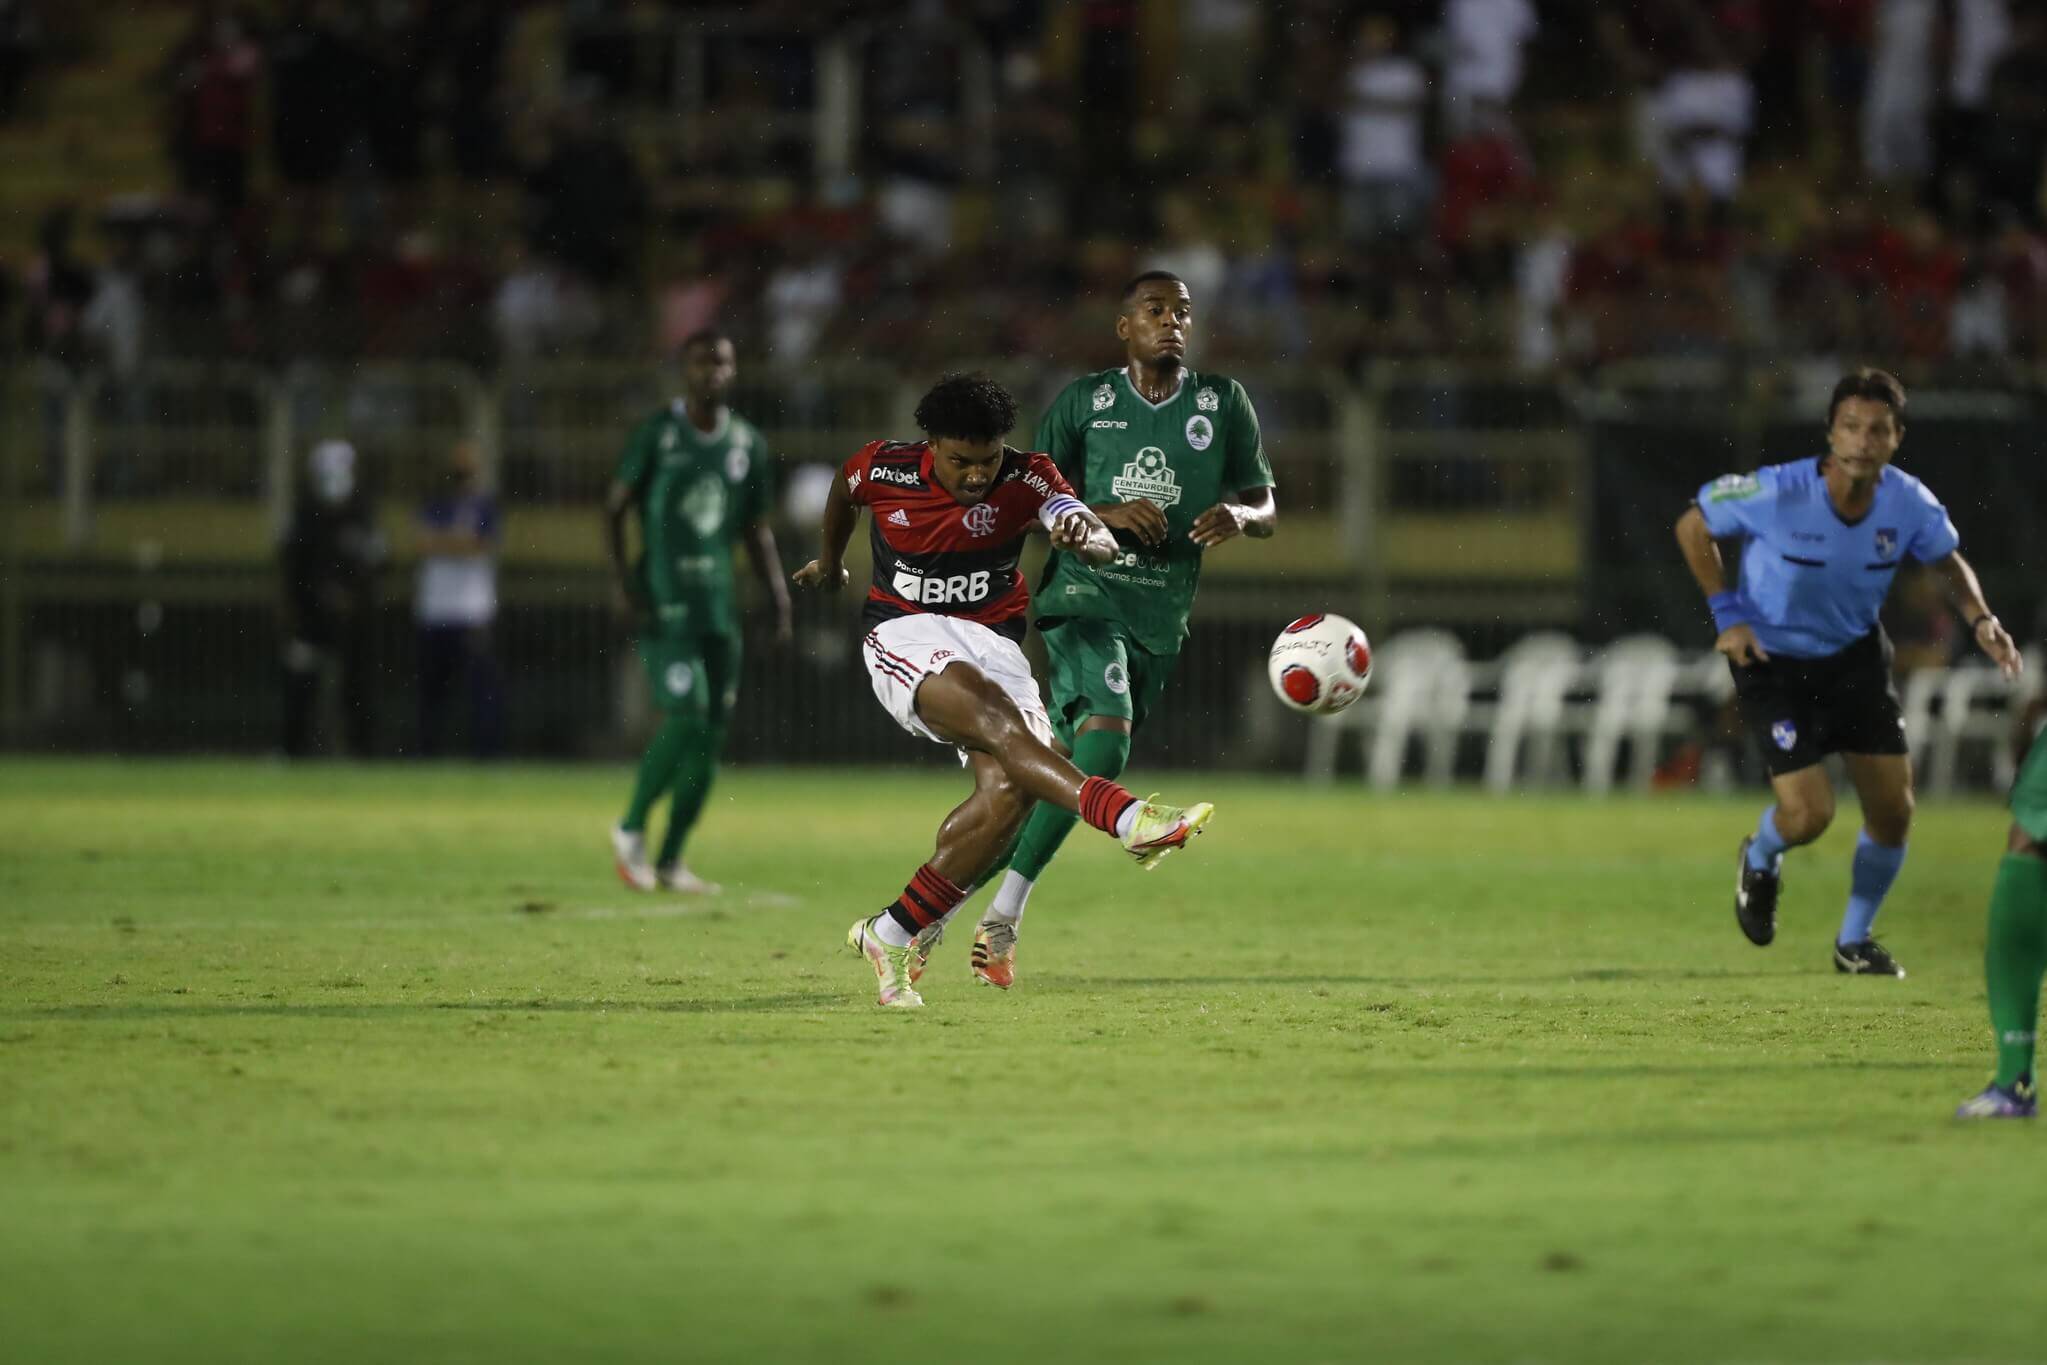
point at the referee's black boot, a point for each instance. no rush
(1755, 900)
(1866, 958)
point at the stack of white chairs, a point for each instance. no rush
(1537, 675)
(1421, 685)
(1636, 677)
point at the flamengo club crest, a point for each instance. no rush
(1148, 477)
(1105, 398)
(979, 520)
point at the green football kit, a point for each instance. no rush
(1113, 631)
(696, 492)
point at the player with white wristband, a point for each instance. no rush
(947, 610)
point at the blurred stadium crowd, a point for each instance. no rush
(1542, 183)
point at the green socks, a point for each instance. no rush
(695, 767)
(2014, 960)
(1098, 753)
(657, 770)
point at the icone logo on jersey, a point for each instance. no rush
(979, 520)
(1200, 431)
(883, 473)
(935, 591)
(1148, 477)
(1105, 398)
(1108, 424)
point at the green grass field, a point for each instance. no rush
(332, 1064)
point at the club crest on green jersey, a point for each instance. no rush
(704, 504)
(1207, 401)
(1105, 398)
(1148, 477)
(1200, 431)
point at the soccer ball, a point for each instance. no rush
(1320, 664)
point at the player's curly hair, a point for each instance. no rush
(1868, 382)
(967, 407)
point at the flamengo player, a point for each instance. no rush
(947, 611)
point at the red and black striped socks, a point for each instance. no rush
(1103, 802)
(926, 900)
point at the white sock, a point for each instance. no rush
(1128, 818)
(1010, 897)
(888, 931)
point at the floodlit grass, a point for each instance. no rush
(383, 1064)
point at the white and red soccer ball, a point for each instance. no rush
(1320, 664)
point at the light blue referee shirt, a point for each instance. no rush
(1812, 582)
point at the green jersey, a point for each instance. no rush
(1186, 454)
(695, 491)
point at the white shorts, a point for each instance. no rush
(903, 652)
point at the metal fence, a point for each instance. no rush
(138, 583)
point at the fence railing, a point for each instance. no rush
(137, 559)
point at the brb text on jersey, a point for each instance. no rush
(933, 554)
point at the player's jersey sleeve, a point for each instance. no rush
(1936, 537)
(854, 474)
(1739, 504)
(1061, 436)
(1043, 478)
(1244, 463)
(639, 454)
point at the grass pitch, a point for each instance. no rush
(333, 1064)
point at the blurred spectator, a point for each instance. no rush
(468, 38)
(455, 603)
(540, 311)
(330, 557)
(2011, 148)
(1189, 250)
(1979, 32)
(801, 296)
(1385, 179)
(1702, 117)
(315, 79)
(20, 40)
(57, 287)
(214, 73)
(113, 321)
(1897, 118)
(1482, 60)
(1542, 273)
(588, 204)
(1485, 175)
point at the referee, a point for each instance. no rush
(1812, 667)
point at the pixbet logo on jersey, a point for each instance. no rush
(937, 591)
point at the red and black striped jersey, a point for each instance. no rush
(931, 554)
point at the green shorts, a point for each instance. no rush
(2029, 792)
(1095, 669)
(695, 672)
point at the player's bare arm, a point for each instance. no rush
(1702, 556)
(1966, 593)
(1080, 531)
(828, 570)
(766, 558)
(625, 598)
(1253, 514)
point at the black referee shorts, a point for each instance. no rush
(1801, 710)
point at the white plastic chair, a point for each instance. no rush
(1536, 677)
(1636, 676)
(1421, 682)
(1978, 705)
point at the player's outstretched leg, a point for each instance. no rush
(964, 707)
(1098, 752)
(696, 767)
